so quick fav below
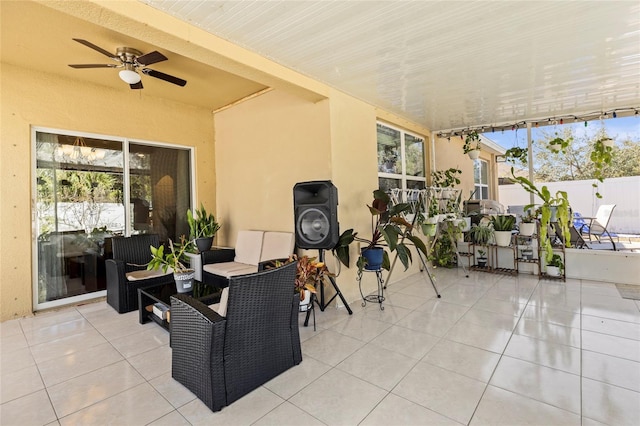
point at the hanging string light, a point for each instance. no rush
(601, 115)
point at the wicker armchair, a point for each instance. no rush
(221, 359)
(130, 254)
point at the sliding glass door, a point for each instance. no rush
(88, 191)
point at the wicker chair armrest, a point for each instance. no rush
(197, 347)
(218, 256)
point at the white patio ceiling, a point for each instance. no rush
(446, 64)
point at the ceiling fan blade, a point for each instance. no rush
(151, 58)
(163, 76)
(137, 85)
(96, 48)
(93, 65)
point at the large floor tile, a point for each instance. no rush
(463, 359)
(10, 328)
(171, 390)
(66, 345)
(611, 345)
(83, 391)
(505, 307)
(20, 383)
(174, 418)
(151, 338)
(58, 370)
(50, 318)
(394, 410)
(550, 332)
(361, 327)
(137, 406)
(32, 409)
(490, 319)
(338, 398)
(331, 347)
(153, 363)
(628, 330)
(13, 361)
(287, 414)
(12, 343)
(552, 316)
(56, 331)
(439, 308)
(490, 339)
(445, 392)
(542, 352)
(296, 378)
(553, 387)
(612, 370)
(425, 323)
(402, 300)
(381, 367)
(556, 297)
(610, 404)
(414, 344)
(391, 314)
(502, 407)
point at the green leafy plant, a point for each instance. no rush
(529, 216)
(173, 258)
(503, 222)
(558, 144)
(559, 202)
(556, 260)
(309, 272)
(482, 254)
(517, 154)
(201, 223)
(445, 178)
(601, 157)
(481, 234)
(388, 226)
(471, 142)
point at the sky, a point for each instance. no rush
(617, 128)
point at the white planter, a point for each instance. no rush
(553, 271)
(527, 229)
(503, 238)
(608, 142)
(305, 303)
(467, 224)
(184, 281)
(474, 154)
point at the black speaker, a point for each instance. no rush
(315, 207)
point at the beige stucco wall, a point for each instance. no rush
(31, 98)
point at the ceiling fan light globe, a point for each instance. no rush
(129, 76)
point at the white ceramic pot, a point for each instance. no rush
(608, 143)
(304, 303)
(503, 238)
(527, 229)
(553, 271)
(474, 154)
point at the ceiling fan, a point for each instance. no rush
(130, 60)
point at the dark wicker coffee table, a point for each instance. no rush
(160, 296)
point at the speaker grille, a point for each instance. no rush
(313, 226)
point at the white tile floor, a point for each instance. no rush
(493, 350)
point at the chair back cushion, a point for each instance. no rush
(249, 247)
(134, 249)
(277, 245)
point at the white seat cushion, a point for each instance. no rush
(229, 269)
(277, 245)
(146, 274)
(221, 308)
(249, 247)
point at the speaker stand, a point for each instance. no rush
(321, 303)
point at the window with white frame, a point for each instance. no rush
(400, 159)
(481, 180)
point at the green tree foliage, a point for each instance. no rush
(576, 164)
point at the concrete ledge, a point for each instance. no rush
(599, 265)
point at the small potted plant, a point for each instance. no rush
(601, 156)
(558, 144)
(173, 259)
(481, 234)
(517, 155)
(503, 224)
(555, 265)
(202, 228)
(388, 225)
(482, 258)
(527, 225)
(471, 145)
(309, 274)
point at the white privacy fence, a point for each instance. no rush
(623, 192)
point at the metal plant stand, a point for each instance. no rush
(377, 297)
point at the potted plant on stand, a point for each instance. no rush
(555, 265)
(482, 258)
(503, 224)
(471, 145)
(173, 259)
(202, 228)
(309, 273)
(527, 225)
(388, 225)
